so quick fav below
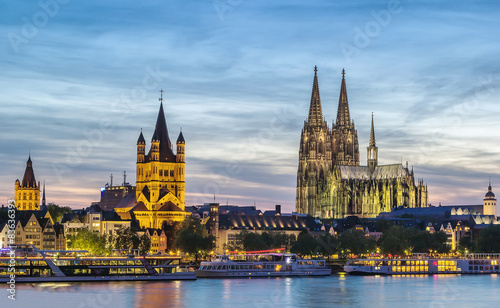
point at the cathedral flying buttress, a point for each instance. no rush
(330, 181)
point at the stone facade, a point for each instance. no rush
(330, 181)
(27, 192)
(160, 180)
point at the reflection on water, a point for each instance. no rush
(337, 290)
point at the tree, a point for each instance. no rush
(144, 244)
(328, 245)
(306, 244)
(253, 241)
(264, 240)
(489, 240)
(193, 237)
(398, 240)
(126, 239)
(57, 212)
(395, 241)
(171, 228)
(94, 243)
(465, 244)
(383, 225)
(355, 241)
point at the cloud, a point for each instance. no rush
(227, 80)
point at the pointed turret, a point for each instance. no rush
(315, 112)
(29, 175)
(181, 143)
(372, 135)
(180, 139)
(372, 150)
(141, 148)
(343, 116)
(141, 139)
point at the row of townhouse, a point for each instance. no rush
(158, 240)
(94, 219)
(36, 228)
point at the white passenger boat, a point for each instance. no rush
(37, 266)
(262, 265)
(469, 264)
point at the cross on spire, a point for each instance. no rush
(315, 70)
(161, 95)
(343, 73)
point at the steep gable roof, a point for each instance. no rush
(170, 207)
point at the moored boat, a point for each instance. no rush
(262, 264)
(415, 265)
(39, 266)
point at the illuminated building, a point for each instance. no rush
(226, 227)
(490, 203)
(158, 240)
(94, 219)
(330, 181)
(160, 184)
(35, 228)
(27, 192)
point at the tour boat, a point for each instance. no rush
(37, 266)
(470, 264)
(262, 264)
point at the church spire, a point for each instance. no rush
(43, 196)
(343, 117)
(372, 135)
(315, 113)
(372, 150)
(161, 134)
(29, 175)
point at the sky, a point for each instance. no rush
(79, 79)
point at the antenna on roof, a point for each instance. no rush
(111, 176)
(214, 198)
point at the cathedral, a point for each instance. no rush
(160, 184)
(330, 181)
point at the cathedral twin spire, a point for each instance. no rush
(315, 113)
(343, 116)
(344, 144)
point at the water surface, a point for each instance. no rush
(333, 291)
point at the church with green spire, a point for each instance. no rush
(330, 181)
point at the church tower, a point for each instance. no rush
(372, 150)
(27, 192)
(160, 182)
(489, 202)
(315, 159)
(344, 135)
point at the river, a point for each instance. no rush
(334, 291)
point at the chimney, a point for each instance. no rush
(278, 209)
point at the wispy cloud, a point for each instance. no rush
(226, 79)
